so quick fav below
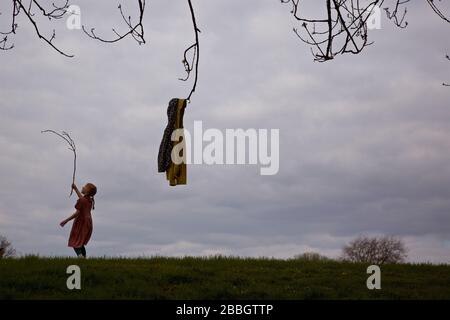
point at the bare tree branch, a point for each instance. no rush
(64, 135)
(437, 10)
(20, 7)
(136, 31)
(344, 28)
(446, 84)
(195, 49)
(394, 16)
(58, 11)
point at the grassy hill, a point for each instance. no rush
(217, 278)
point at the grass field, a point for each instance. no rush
(217, 278)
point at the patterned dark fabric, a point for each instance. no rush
(165, 148)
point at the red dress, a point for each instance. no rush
(82, 225)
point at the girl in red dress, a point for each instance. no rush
(82, 225)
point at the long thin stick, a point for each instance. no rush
(189, 67)
(64, 135)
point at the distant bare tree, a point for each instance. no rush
(6, 249)
(375, 250)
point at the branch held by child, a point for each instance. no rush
(64, 135)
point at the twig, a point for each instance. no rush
(437, 11)
(135, 31)
(64, 135)
(444, 83)
(27, 9)
(344, 27)
(196, 55)
(57, 13)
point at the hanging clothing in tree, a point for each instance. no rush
(175, 173)
(165, 148)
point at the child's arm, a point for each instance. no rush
(74, 187)
(73, 216)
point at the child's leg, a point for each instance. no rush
(77, 251)
(83, 251)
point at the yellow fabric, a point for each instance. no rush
(177, 173)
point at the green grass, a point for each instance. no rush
(217, 278)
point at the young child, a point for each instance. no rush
(82, 225)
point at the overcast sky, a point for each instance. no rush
(364, 139)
